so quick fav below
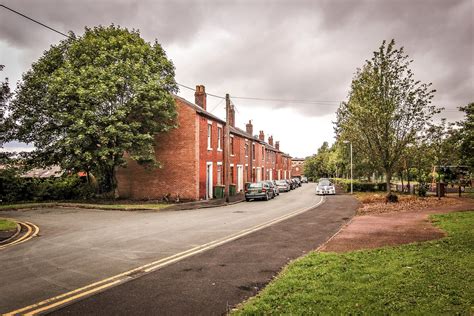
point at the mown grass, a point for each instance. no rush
(428, 278)
(6, 224)
(124, 207)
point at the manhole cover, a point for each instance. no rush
(238, 212)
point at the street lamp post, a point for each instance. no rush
(350, 145)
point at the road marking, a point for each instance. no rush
(87, 290)
(73, 297)
(32, 231)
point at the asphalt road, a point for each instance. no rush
(77, 247)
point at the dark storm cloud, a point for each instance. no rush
(276, 49)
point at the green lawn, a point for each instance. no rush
(125, 207)
(6, 224)
(430, 278)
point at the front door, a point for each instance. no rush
(240, 178)
(209, 180)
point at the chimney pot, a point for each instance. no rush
(232, 116)
(261, 136)
(270, 140)
(249, 127)
(200, 96)
(277, 145)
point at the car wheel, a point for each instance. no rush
(266, 197)
(248, 200)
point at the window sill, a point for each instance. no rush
(209, 149)
(219, 149)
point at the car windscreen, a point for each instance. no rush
(324, 183)
(255, 185)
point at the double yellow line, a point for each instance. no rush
(102, 285)
(31, 231)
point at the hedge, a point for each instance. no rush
(14, 188)
(359, 186)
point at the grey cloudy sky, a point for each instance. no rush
(272, 49)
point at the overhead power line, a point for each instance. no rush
(284, 100)
(35, 21)
(192, 89)
(179, 84)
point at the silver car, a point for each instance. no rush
(325, 187)
(283, 185)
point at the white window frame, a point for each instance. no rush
(209, 135)
(219, 137)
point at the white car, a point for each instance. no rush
(325, 187)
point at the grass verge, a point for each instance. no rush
(6, 225)
(123, 207)
(422, 278)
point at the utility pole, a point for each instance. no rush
(227, 148)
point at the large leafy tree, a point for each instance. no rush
(92, 98)
(386, 109)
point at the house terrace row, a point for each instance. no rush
(192, 157)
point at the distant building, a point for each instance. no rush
(297, 167)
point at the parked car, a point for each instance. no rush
(283, 185)
(291, 183)
(298, 181)
(304, 180)
(259, 190)
(325, 187)
(272, 185)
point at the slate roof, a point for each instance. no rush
(53, 171)
(233, 130)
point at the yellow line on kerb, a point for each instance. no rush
(97, 286)
(27, 236)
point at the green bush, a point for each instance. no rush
(391, 198)
(14, 188)
(359, 186)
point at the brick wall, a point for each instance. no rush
(205, 155)
(178, 154)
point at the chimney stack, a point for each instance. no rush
(261, 136)
(200, 96)
(249, 128)
(232, 116)
(270, 141)
(277, 145)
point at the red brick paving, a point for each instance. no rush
(390, 229)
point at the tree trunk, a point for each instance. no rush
(388, 176)
(401, 177)
(114, 182)
(408, 180)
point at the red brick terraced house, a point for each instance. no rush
(192, 157)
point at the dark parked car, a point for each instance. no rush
(298, 181)
(291, 183)
(259, 190)
(283, 185)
